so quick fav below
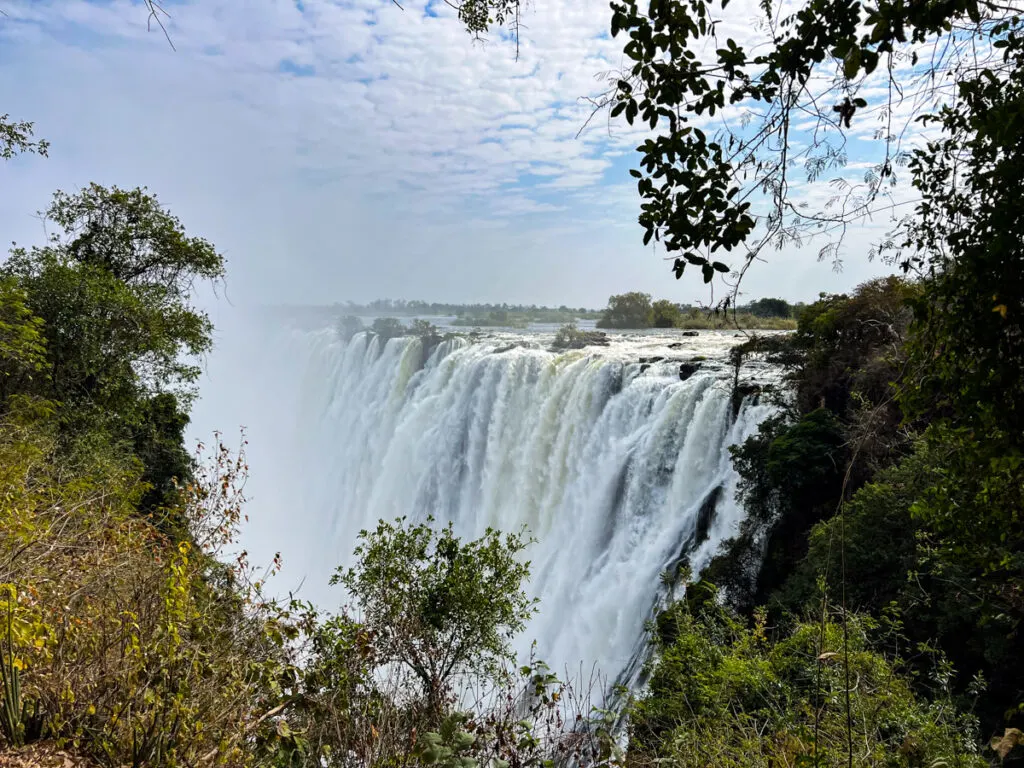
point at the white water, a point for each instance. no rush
(605, 465)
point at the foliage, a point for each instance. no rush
(16, 138)
(498, 318)
(927, 524)
(480, 15)
(790, 464)
(627, 310)
(130, 647)
(769, 308)
(969, 341)
(790, 475)
(22, 345)
(353, 708)
(697, 319)
(440, 607)
(723, 693)
(966, 356)
(424, 329)
(113, 293)
(349, 326)
(853, 345)
(571, 337)
(387, 328)
(118, 254)
(665, 314)
(158, 443)
(820, 66)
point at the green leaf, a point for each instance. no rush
(851, 64)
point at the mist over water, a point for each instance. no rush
(617, 469)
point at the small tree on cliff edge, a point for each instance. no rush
(438, 606)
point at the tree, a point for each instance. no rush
(22, 346)
(387, 328)
(822, 66)
(665, 314)
(439, 606)
(113, 289)
(769, 308)
(627, 310)
(349, 326)
(16, 138)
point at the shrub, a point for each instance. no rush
(725, 694)
(131, 647)
(349, 326)
(571, 337)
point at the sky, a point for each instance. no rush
(351, 149)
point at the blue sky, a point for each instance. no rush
(350, 150)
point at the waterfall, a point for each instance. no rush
(618, 469)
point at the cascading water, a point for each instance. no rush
(617, 469)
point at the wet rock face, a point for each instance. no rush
(691, 333)
(651, 359)
(686, 370)
(706, 515)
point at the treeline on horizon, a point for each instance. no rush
(634, 310)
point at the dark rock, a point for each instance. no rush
(691, 333)
(686, 370)
(676, 345)
(644, 367)
(651, 359)
(742, 391)
(706, 516)
(615, 379)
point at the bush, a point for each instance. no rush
(571, 337)
(127, 646)
(387, 328)
(349, 326)
(665, 314)
(725, 694)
